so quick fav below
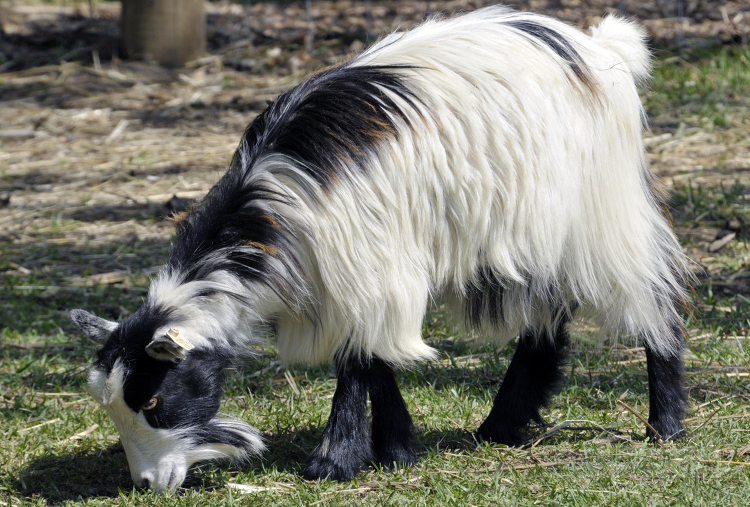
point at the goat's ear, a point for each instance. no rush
(169, 347)
(94, 327)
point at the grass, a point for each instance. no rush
(45, 406)
(708, 87)
(60, 448)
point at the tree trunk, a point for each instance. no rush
(170, 32)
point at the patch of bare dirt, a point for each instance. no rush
(92, 148)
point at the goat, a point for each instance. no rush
(492, 163)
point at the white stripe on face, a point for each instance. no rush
(158, 458)
(107, 388)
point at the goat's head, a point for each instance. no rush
(163, 394)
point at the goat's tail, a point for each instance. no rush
(628, 40)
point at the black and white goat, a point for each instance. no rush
(492, 162)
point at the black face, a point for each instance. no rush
(170, 394)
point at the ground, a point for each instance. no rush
(96, 151)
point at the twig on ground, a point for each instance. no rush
(680, 460)
(84, 433)
(45, 423)
(117, 132)
(542, 464)
(250, 488)
(291, 382)
(642, 418)
(566, 425)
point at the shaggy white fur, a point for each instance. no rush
(513, 160)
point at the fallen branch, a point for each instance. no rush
(45, 423)
(566, 425)
(642, 418)
(84, 433)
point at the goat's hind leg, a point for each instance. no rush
(392, 433)
(532, 377)
(665, 388)
(344, 447)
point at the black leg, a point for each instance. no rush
(344, 447)
(665, 390)
(529, 383)
(391, 423)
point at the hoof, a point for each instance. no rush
(395, 457)
(325, 468)
(501, 434)
(341, 463)
(669, 431)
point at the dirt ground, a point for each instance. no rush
(93, 149)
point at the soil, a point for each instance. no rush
(95, 150)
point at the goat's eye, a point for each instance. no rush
(150, 404)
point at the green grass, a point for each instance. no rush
(51, 455)
(42, 380)
(707, 88)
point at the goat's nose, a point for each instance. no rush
(145, 484)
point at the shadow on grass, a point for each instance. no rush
(104, 473)
(62, 478)
(288, 450)
(119, 213)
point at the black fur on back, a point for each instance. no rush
(560, 45)
(334, 117)
(327, 124)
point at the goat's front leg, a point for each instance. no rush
(392, 432)
(344, 447)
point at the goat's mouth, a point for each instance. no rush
(162, 482)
